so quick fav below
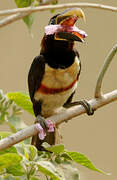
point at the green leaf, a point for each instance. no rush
(28, 19)
(21, 151)
(12, 149)
(23, 3)
(9, 150)
(31, 151)
(34, 178)
(70, 171)
(56, 149)
(50, 169)
(9, 159)
(11, 162)
(27, 151)
(13, 129)
(83, 160)
(66, 156)
(16, 170)
(27, 141)
(9, 177)
(4, 134)
(22, 100)
(42, 155)
(54, 3)
(16, 122)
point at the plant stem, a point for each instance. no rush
(20, 13)
(58, 6)
(103, 70)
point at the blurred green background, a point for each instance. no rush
(94, 136)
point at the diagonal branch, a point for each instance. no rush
(20, 13)
(104, 68)
(58, 119)
(12, 18)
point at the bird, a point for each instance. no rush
(54, 73)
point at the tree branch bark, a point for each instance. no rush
(20, 13)
(58, 119)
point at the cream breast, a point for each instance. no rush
(61, 78)
(57, 78)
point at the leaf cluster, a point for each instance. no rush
(9, 113)
(25, 162)
(56, 163)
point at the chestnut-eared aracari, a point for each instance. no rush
(54, 74)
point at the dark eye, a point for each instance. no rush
(53, 20)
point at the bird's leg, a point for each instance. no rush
(42, 125)
(42, 122)
(84, 103)
(37, 107)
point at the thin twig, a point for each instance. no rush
(19, 136)
(28, 10)
(58, 119)
(98, 92)
(45, 2)
(58, 6)
(12, 18)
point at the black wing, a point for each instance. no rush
(35, 75)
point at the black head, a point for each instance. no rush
(63, 26)
(53, 20)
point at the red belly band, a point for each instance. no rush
(46, 90)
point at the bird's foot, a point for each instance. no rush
(44, 126)
(84, 103)
(87, 106)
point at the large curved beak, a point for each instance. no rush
(67, 20)
(70, 16)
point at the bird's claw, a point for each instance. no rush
(87, 106)
(42, 122)
(84, 103)
(44, 126)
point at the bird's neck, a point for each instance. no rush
(58, 54)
